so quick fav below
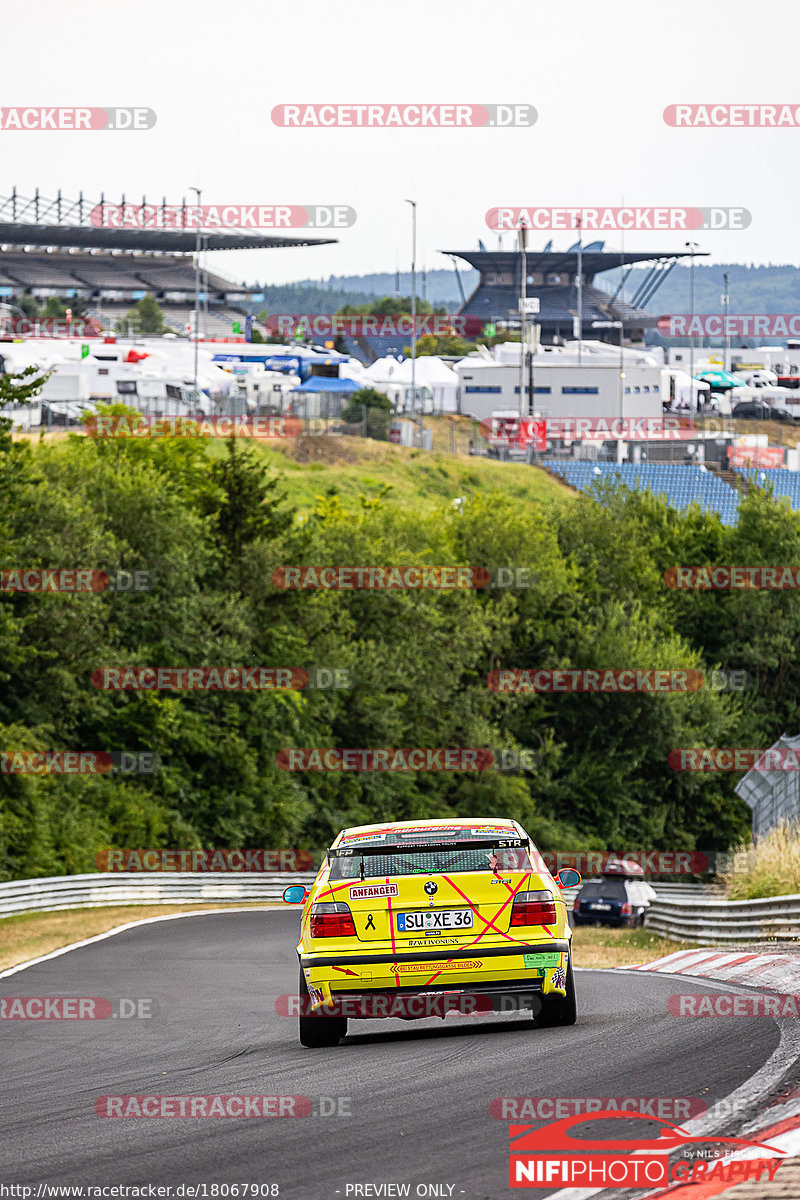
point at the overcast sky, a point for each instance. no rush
(599, 75)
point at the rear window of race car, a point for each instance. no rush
(429, 862)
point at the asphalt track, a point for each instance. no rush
(419, 1092)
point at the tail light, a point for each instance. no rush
(331, 920)
(626, 910)
(576, 905)
(533, 908)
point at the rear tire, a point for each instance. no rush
(315, 1031)
(559, 1010)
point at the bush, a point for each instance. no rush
(771, 867)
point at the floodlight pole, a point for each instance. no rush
(413, 204)
(727, 342)
(692, 246)
(579, 286)
(197, 288)
(523, 295)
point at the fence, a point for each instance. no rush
(722, 922)
(773, 795)
(178, 887)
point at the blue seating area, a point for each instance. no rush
(682, 485)
(782, 482)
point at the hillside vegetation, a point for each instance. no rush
(211, 522)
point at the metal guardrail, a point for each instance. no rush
(664, 891)
(179, 887)
(723, 922)
(163, 887)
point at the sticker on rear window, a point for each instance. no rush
(374, 891)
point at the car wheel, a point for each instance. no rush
(318, 1031)
(559, 1010)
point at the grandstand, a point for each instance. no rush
(49, 248)
(551, 277)
(782, 482)
(682, 485)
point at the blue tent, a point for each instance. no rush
(322, 383)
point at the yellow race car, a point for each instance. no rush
(420, 918)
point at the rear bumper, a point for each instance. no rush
(409, 1004)
(553, 945)
(500, 970)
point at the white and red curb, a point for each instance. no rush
(775, 972)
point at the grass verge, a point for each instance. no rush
(599, 946)
(30, 935)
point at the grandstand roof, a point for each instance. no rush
(61, 222)
(169, 241)
(553, 261)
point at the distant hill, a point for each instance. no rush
(774, 288)
(440, 287)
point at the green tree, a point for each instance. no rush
(147, 316)
(378, 408)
